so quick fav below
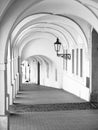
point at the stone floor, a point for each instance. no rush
(54, 119)
(34, 94)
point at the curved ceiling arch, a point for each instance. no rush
(44, 35)
(66, 8)
(70, 28)
(36, 58)
(40, 58)
(42, 29)
(38, 36)
(67, 34)
(24, 22)
(30, 59)
(62, 1)
(39, 47)
(59, 34)
(90, 4)
(44, 60)
(56, 7)
(72, 7)
(58, 20)
(67, 38)
(41, 32)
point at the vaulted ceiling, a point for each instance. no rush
(30, 21)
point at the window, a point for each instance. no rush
(72, 60)
(81, 62)
(77, 62)
(56, 75)
(47, 70)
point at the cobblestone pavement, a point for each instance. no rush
(56, 120)
(34, 94)
(51, 120)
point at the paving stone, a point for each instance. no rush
(59, 120)
(41, 108)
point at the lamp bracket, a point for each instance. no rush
(65, 56)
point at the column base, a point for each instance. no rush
(4, 122)
(94, 97)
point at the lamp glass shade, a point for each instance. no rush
(57, 45)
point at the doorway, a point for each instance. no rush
(38, 70)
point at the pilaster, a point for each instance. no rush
(3, 106)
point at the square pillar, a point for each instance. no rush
(4, 122)
(3, 106)
(19, 71)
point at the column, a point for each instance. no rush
(20, 70)
(29, 73)
(16, 75)
(9, 86)
(13, 81)
(3, 113)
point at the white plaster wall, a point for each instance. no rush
(39, 47)
(73, 82)
(2, 91)
(45, 48)
(33, 72)
(76, 86)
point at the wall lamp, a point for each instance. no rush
(57, 47)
